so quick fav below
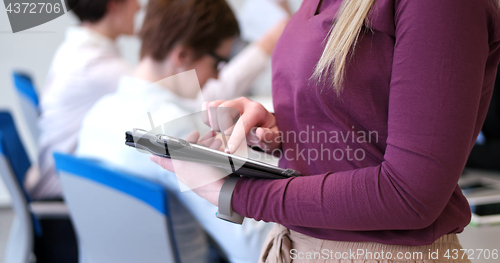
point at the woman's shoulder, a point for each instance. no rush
(477, 13)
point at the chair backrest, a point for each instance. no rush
(118, 217)
(28, 99)
(24, 86)
(20, 243)
(18, 163)
(14, 150)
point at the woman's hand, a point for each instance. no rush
(204, 180)
(256, 124)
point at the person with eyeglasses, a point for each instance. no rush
(220, 61)
(184, 45)
(236, 75)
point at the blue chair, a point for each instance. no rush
(28, 99)
(20, 243)
(14, 163)
(118, 217)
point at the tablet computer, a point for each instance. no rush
(179, 149)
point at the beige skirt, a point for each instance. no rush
(284, 245)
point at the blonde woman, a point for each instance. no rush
(378, 103)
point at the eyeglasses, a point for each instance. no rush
(221, 62)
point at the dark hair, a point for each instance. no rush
(89, 10)
(198, 24)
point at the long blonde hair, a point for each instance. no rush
(342, 39)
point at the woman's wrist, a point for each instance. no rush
(211, 191)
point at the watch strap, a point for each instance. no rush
(225, 210)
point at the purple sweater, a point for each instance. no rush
(382, 161)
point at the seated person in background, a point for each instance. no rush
(86, 66)
(486, 154)
(179, 38)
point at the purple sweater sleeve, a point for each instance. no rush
(438, 75)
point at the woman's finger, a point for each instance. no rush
(268, 135)
(216, 144)
(193, 137)
(252, 138)
(224, 116)
(255, 115)
(206, 142)
(163, 162)
(226, 113)
(205, 112)
(206, 138)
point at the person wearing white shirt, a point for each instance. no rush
(86, 66)
(184, 44)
